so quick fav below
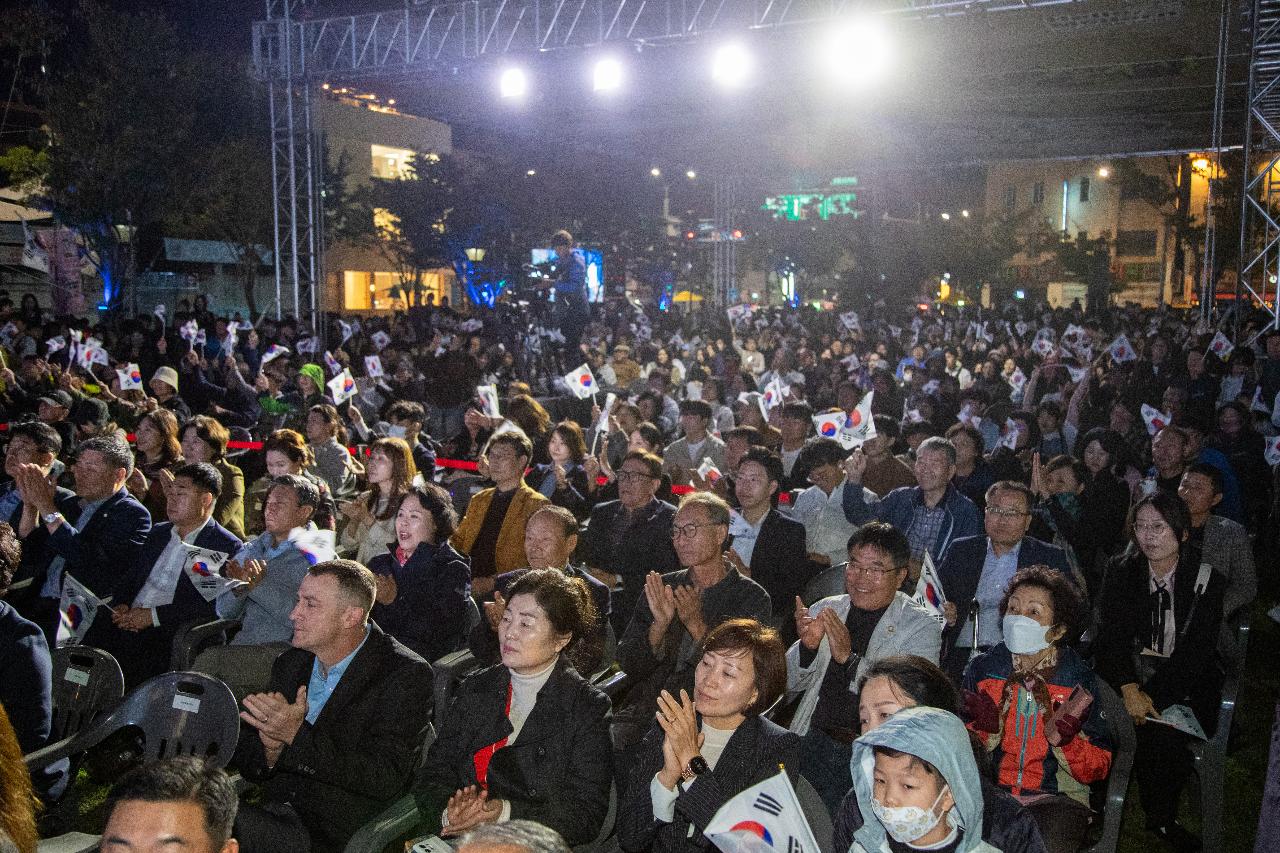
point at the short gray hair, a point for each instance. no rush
(525, 834)
(938, 444)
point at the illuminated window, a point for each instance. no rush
(374, 290)
(391, 163)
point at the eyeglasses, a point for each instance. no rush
(1152, 527)
(870, 571)
(628, 476)
(690, 530)
(1005, 512)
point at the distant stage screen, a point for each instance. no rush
(595, 271)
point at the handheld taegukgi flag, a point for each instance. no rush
(774, 393)
(204, 569)
(1221, 346)
(342, 387)
(273, 352)
(860, 426)
(130, 377)
(76, 610)
(1155, 419)
(765, 818)
(335, 366)
(488, 395)
(1121, 350)
(929, 592)
(373, 367)
(580, 381)
(316, 544)
(380, 339)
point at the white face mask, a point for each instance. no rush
(1024, 635)
(395, 431)
(907, 823)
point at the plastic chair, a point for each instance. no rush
(194, 637)
(815, 812)
(1210, 757)
(179, 713)
(828, 582)
(397, 821)
(86, 682)
(1124, 743)
(453, 667)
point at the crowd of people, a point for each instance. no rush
(1090, 499)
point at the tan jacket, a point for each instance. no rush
(509, 554)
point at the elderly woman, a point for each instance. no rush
(563, 480)
(1044, 756)
(370, 518)
(423, 583)
(706, 748)
(205, 440)
(528, 738)
(1157, 641)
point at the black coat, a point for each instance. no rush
(429, 614)
(752, 755)
(360, 754)
(1191, 675)
(780, 562)
(646, 548)
(557, 772)
(109, 548)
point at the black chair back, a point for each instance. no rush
(86, 683)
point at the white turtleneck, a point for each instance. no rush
(524, 695)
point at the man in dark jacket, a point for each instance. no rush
(337, 736)
(30, 443)
(160, 596)
(95, 535)
(977, 569)
(630, 537)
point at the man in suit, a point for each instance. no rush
(95, 535)
(550, 538)
(683, 456)
(629, 537)
(767, 546)
(1224, 544)
(173, 804)
(840, 637)
(336, 737)
(976, 570)
(160, 597)
(30, 443)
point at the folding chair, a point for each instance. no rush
(1210, 757)
(86, 682)
(1124, 743)
(828, 582)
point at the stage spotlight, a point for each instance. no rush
(731, 65)
(691, 175)
(857, 53)
(607, 76)
(513, 83)
(655, 172)
(946, 216)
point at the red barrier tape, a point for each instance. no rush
(456, 464)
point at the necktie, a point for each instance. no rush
(1161, 604)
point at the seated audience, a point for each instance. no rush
(932, 513)
(684, 455)
(272, 568)
(286, 452)
(30, 443)
(205, 440)
(707, 747)
(1045, 757)
(527, 739)
(659, 649)
(550, 538)
(767, 546)
(1157, 645)
(918, 788)
(840, 637)
(333, 461)
(977, 570)
(370, 517)
(405, 420)
(159, 452)
(629, 537)
(336, 737)
(1224, 544)
(820, 508)
(491, 532)
(514, 836)
(973, 472)
(563, 480)
(886, 472)
(95, 535)
(423, 584)
(160, 597)
(174, 804)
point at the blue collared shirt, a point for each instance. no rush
(995, 577)
(322, 684)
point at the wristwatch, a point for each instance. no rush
(696, 767)
(52, 518)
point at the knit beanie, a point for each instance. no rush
(315, 373)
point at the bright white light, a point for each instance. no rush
(857, 53)
(655, 172)
(1104, 172)
(691, 175)
(607, 76)
(531, 172)
(513, 83)
(946, 216)
(965, 214)
(731, 65)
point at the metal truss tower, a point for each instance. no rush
(295, 50)
(296, 167)
(1260, 203)
(724, 266)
